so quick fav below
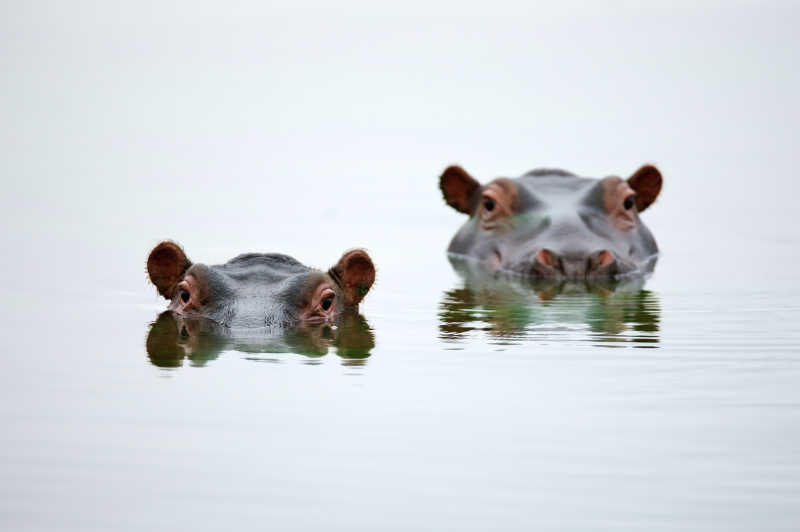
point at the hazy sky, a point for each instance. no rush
(228, 126)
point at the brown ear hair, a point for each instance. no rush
(458, 189)
(166, 265)
(354, 273)
(646, 182)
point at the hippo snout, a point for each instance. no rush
(600, 264)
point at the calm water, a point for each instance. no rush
(453, 400)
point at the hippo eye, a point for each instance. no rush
(185, 295)
(327, 302)
(629, 202)
(488, 203)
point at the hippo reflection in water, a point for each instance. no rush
(512, 309)
(551, 224)
(259, 290)
(173, 338)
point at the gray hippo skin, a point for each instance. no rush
(259, 289)
(552, 224)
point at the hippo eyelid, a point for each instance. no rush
(497, 201)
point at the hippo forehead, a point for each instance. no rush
(555, 187)
(259, 286)
(267, 275)
(261, 268)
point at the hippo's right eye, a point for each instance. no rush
(629, 202)
(488, 203)
(185, 295)
(327, 302)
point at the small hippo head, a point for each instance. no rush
(551, 224)
(259, 289)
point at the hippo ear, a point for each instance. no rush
(354, 273)
(458, 188)
(646, 182)
(166, 265)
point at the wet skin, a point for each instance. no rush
(173, 338)
(259, 290)
(551, 224)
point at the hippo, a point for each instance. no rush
(551, 224)
(265, 290)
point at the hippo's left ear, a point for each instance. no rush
(166, 265)
(646, 182)
(354, 273)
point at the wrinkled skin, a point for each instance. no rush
(258, 290)
(173, 338)
(551, 224)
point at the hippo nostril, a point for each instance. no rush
(546, 264)
(546, 257)
(604, 258)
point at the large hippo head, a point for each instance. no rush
(259, 289)
(553, 224)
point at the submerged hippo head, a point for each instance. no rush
(552, 224)
(259, 289)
